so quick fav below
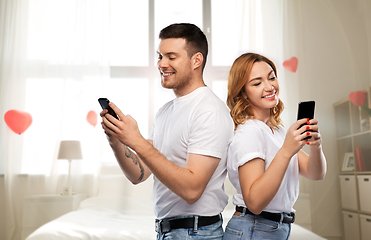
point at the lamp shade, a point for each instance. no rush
(70, 150)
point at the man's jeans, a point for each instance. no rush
(213, 231)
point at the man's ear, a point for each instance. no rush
(197, 60)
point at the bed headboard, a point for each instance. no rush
(118, 193)
(112, 182)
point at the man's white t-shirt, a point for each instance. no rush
(254, 139)
(197, 123)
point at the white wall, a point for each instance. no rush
(2, 209)
(334, 60)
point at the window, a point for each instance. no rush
(107, 49)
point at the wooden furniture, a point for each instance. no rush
(353, 142)
(40, 209)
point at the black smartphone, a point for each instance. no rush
(306, 110)
(104, 104)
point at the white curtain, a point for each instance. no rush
(274, 35)
(54, 65)
(265, 27)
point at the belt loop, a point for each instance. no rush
(243, 211)
(195, 224)
(282, 217)
(158, 226)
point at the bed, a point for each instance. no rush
(119, 212)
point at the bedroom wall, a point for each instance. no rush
(2, 208)
(334, 60)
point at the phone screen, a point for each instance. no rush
(104, 104)
(306, 110)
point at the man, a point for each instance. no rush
(187, 146)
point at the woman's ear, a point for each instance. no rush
(244, 94)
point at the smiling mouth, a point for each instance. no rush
(166, 74)
(270, 96)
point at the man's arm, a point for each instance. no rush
(132, 166)
(188, 183)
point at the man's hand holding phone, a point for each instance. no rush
(124, 128)
(104, 103)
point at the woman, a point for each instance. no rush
(264, 161)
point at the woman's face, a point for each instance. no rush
(262, 88)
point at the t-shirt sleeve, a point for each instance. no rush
(247, 145)
(210, 134)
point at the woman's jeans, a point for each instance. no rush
(213, 231)
(249, 227)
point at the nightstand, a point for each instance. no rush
(40, 209)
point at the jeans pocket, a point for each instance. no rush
(213, 231)
(231, 234)
(267, 226)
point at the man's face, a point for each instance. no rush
(174, 64)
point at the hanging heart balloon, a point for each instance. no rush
(92, 118)
(291, 64)
(18, 121)
(357, 98)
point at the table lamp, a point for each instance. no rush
(70, 150)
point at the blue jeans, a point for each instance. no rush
(249, 227)
(213, 231)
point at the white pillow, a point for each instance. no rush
(123, 205)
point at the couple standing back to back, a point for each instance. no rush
(187, 148)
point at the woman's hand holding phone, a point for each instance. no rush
(312, 130)
(294, 138)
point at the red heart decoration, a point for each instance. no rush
(92, 118)
(357, 98)
(291, 64)
(18, 121)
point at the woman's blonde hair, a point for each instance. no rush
(240, 106)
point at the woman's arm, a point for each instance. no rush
(313, 166)
(259, 186)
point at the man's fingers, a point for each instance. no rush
(117, 110)
(104, 112)
(108, 125)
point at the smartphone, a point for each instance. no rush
(104, 104)
(306, 110)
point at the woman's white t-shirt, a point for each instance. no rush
(254, 139)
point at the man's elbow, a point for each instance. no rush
(192, 197)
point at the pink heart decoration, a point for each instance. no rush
(357, 98)
(291, 64)
(92, 118)
(18, 121)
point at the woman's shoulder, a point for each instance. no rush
(258, 127)
(250, 126)
(249, 133)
